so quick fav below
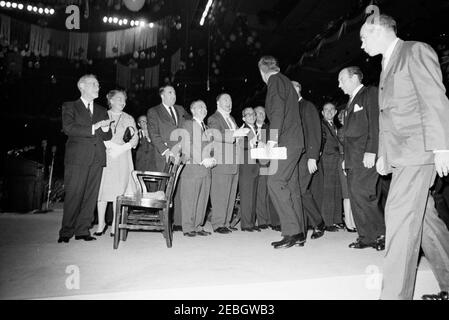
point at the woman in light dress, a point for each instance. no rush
(116, 176)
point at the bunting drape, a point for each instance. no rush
(76, 45)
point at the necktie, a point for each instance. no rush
(229, 122)
(173, 115)
(89, 108)
(203, 127)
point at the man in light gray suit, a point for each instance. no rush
(225, 175)
(195, 177)
(413, 144)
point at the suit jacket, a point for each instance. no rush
(224, 144)
(145, 155)
(312, 129)
(331, 144)
(361, 130)
(82, 148)
(245, 148)
(161, 125)
(193, 145)
(281, 106)
(414, 110)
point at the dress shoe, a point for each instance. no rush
(443, 295)
(289, 241)
(340, 225)
(263, 226)
(190, 234)
(176, 228)
(333, 228)
(256, 228)
(101, 232)
(63, 239)
(317, 234)
(111, 234)
(85, 238)
(380, 243)
(222, 230)
(202, 233)
(232, 229)
(276, 228)
(351, 230)
(248, 229)
(358, 244)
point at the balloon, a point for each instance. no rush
(134, 5)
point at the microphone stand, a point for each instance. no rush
(45, 208)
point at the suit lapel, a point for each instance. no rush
(352, 103)
(394, 56)
(83, 110)
(165, 114)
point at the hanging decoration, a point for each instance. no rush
(134, 5)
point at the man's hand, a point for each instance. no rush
(209, 162)
(169, 154)
(102, 124)
(343, 167)
(442, 163)
(311, 164)
(369, 159)
(380, 166)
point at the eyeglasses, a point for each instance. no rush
(250, 114)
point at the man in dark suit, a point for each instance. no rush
(331, 206)
(265, 212)
(361, 136)
(162, 120)
(248, 174)
(195, 177)
(311, 124)
(281, 105)
(226, 173)
(145, 153)
(413, 146)
(87, 125)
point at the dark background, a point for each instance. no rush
(224, 53)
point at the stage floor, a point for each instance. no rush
(241, 265)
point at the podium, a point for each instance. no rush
(24, 184)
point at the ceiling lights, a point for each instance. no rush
(29, 8)
(125, 22)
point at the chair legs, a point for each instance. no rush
(118, 218)
(168, 232)
(124, 220)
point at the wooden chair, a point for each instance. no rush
(146, 210)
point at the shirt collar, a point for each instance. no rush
(167, 107)
(354, 93)
(389, 52)
(86, 104)
(224, 114)
(197, 120)
(300, 98)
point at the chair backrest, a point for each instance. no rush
(166, 181)
(143, 178)
(175, 169)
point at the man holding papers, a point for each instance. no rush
(286, 131)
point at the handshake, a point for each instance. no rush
(102, 124)
(209, 162)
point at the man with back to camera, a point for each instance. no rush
(413, 146)
(281, 105)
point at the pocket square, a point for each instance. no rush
(357, 108)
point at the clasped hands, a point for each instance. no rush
(102, 124)
(209, 162)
